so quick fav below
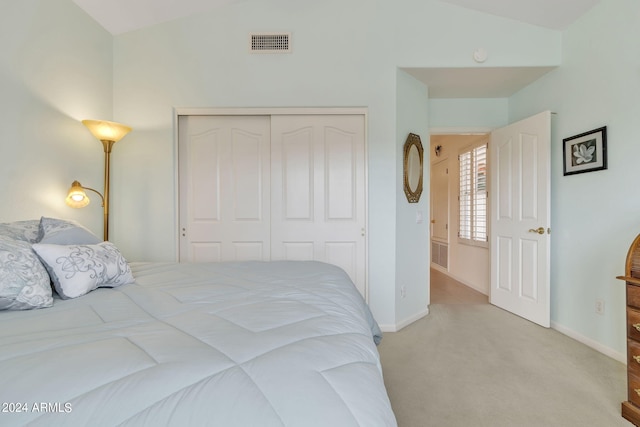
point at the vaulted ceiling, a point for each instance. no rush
(442, 82)
(555, 14)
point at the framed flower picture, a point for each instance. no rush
(586, 152)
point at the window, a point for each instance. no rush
(473, 195)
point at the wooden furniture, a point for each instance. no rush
(631, 408)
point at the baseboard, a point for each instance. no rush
(387, 328)
(404, 323)
(590, 343)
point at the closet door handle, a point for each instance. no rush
(637, 326)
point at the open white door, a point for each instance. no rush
(520, 219)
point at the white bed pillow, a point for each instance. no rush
(65, 232)
(24, 282)
(79, 269)
(21, 230)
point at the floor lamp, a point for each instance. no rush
(108, 133)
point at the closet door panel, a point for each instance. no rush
(344, 255)
(318, 163)
(246, 251)
(246, 182)
(206, 252)
(296, 167)
(204, 162)
(297, 251)
(224, 180)
(341, 172)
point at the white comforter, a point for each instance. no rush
(231, 344)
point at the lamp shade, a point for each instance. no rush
(77, 198)
(107, 131)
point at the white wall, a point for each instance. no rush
(55, 70)
(412, 248)
(474, 115)
(595, 216)
(344, 54)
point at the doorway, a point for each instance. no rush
(453, 260)
(517, 171)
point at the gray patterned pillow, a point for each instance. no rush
(26, 231)
(24, 283)
(65, 232)
(79, 269)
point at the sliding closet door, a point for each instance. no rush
(318, 191)
(224, 173)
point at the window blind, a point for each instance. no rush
(473, 194)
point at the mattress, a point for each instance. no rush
(218, 344)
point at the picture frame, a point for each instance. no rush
(413, 166)
(586, 152)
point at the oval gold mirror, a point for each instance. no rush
(413, 157)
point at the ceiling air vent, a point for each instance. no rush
(270, 43)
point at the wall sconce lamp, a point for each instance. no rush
(108, 133)
(77, 198)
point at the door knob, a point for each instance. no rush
(539, 230)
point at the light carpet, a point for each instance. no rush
(477, 365)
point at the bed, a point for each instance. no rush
(287, 343)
